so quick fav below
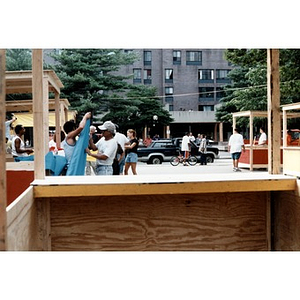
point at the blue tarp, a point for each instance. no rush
(78, 160)
(55, 163)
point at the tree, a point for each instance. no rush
(249, 88)
(18, 59)
(87, 75)
(137, 109)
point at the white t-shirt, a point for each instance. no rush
(185, 143)
(13, 147)
(109, 149)
(121, 139)
(262, 138)
(236, 141)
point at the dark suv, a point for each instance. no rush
(162, 150)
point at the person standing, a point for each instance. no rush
(186, 147)
(91, 161)
(147, 141)
(192, 138)
(18, 145)
(122, 140)
(107, 148)
(68, 144)
(8, 126)
(235, 146)
(131, 151)
(203, 149)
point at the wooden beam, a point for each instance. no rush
(83, 187)
(57, 120)
(38, 113)
(274, 122)
(2, 154)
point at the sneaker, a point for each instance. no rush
(234, 170)
(238, 170)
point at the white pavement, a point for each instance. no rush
(222, 165)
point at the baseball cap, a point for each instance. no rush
(108, 125)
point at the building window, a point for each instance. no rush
(171, 107)
(147, 76)
(147, 58)
(220, 93)
(193, 57)
(176, 57)
(137, 75)
(206, 108)
(169, 75)
(206, 75)
(206, 93)
(222, 75)
(169, 91)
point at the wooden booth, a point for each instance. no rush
(21, 174)
(255, 156)
(291, 151)
(238, 211)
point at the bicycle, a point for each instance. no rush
(176, 160)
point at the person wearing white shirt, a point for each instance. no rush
(235, 146)
(185, 147)
(262, 138)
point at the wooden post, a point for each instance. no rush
(274, 122)
(2, 153)
(251, 140)
(221, 132)
(57, 120)
(284, 128)
(38, 114)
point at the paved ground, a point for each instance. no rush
(221, 165)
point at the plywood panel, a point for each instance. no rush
(28, 224)
(236, 221)
(22, 223)
(287, 220)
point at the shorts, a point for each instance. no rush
(121, 164)
(131, 157)
(236, 155)
(104, 170)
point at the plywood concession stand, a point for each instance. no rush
(212, 212)
(291, 153)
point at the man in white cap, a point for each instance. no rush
(107, 148)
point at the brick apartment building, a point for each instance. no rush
(189, 83)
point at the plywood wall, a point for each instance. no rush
(287, 220)
(235, 221)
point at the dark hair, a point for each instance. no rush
(18, 128)
(237, 130)
(69, 126)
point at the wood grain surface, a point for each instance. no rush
(223, 221)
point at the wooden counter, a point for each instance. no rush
(165, 213)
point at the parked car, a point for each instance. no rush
(162, 150)
(157, 152)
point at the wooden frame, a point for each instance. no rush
(291, 154)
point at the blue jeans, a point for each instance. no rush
(121, 164)
(131, 158)
(104, 170)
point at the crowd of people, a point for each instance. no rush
(110, 152)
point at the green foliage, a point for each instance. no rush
(249, 88)
(137, 109)
(87, 75)
(18, 59)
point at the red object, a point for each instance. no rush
(17, 181)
